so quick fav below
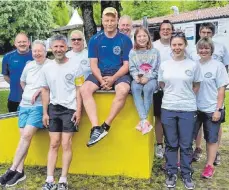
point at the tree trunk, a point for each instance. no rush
(89, 24)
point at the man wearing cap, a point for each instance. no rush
(108, 51)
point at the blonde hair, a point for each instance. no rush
(204, 42)
(77, 32)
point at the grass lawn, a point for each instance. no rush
(1, 56)
(3, 101)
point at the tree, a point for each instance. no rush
(86, 8)
(32, 17)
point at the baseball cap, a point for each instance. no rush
(110, 10)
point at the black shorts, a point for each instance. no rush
(126, 79)
(157, 101)
(12, 106)
(60, 119)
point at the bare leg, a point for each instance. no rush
(87, 91)
(55, 138)
(122, 89)
(67, 153)
(23, 146)
(199, 138)
(211, 153)
(219, 136)
(158, 130)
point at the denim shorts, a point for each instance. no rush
(210, 128)
(30, 116)
(126, 79)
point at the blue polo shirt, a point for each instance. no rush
(13, 64)
(111, 52)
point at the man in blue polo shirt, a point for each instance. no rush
(109, 58)
(13, 64)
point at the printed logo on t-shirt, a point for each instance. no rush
(188, 72)
(69, 76)
(208, 75)
(117, 50)
(84, 62)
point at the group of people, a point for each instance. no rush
(186, 88)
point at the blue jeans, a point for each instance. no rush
(178, 129)
(143, 103)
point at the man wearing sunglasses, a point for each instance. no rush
(108, 51)
(78, 52)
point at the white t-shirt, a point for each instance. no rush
(31, 75)
(220, 53)
(82, 59)
(214, 76)
(165, 50)
(62, 80)
(178, 77)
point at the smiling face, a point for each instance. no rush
(205, 51)
(22, 43)
(125, 26)
(178, 47)
(109, 22)
(165, 31)
(142, 39)
(59, 48)
(39, 53)
(77, 42)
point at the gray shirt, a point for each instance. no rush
(31, 75)
(178, 77)
(214, 76)
(144, 62)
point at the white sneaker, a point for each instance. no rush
(159, 151)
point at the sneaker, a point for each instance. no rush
(208, 172)
(197, 154)
(97, 133)
(146, 127)
(17, 178)
(217, 159)
(62, 186)
(188, 183)
(49, 186)
(159, 151)
(7, 176)
(139, 126)
(171, 180)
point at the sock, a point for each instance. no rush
(12, 169)
(20, 171)
(160, 144)
(63, 180)
(105, 126)
(50, 179)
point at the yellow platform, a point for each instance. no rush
(124, 151)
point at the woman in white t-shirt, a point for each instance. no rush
(30, 113)
(78, 52)
(179, 78)
(210, 100)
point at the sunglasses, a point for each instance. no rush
(76, 39)
(178, 34)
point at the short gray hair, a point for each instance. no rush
(39, 42)
(125, 17)
(205, 42)
(58, 37)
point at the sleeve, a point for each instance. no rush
(127, 47)
(43, 81)
(5, 65)
(197, 74)
(24, 73)
(79, 77)
(160, 73)
(226, 56)
(132, 64)
(155, 62)
(92, 48)
(221, 76)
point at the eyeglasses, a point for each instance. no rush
(178, 34)
(76, 39)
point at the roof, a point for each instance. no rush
(67, 27)
(200, 14)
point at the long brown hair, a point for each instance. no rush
(149, 43)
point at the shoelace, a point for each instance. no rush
(49, 185)
(95, 133)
